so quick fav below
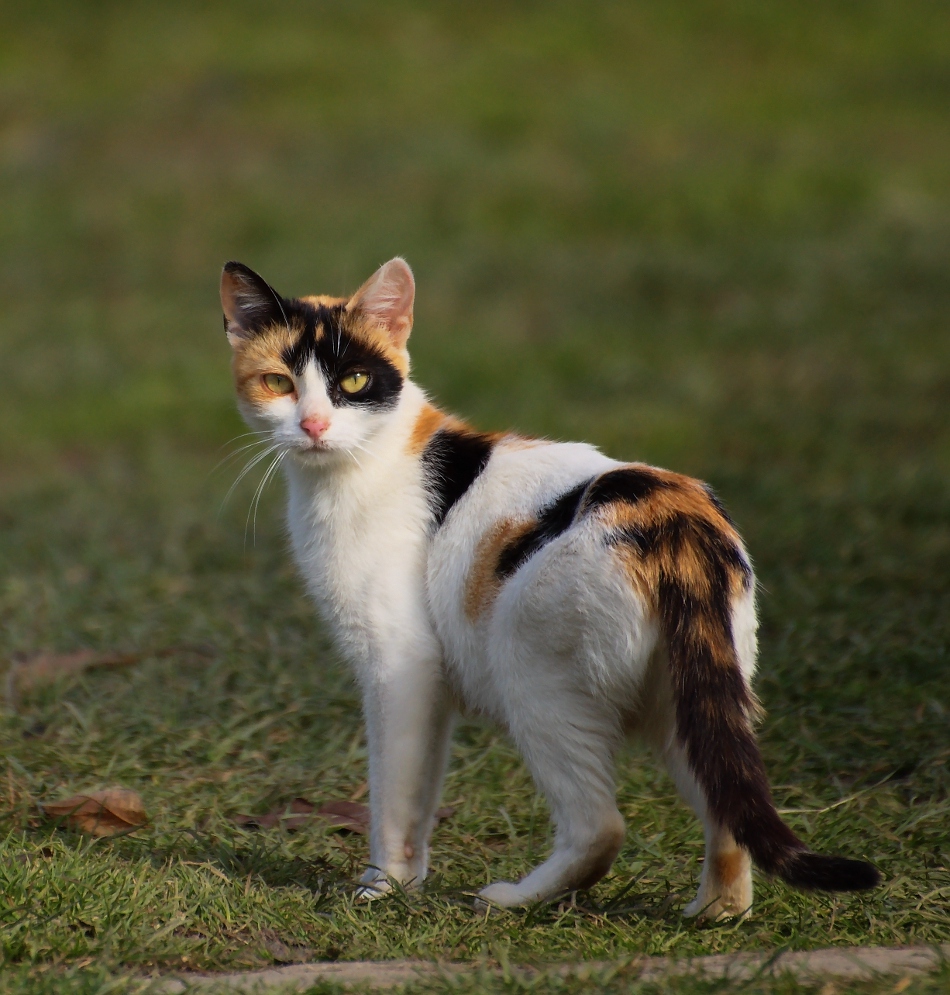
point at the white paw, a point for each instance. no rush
(714, 910)
(501, 894)
(373, 884)
(369, 892)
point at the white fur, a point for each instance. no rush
(562, 660)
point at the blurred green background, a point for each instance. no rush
(711, 235)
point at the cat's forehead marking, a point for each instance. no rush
(311, 325)
(325, 332)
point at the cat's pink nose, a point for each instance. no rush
(315, 426)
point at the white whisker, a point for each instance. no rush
(362, 448)
(244, 435)
(258, 493)
(247, 469)
(237, 452)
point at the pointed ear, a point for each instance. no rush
(250, 304)
(387, 298)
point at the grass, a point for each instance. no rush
(715, 237)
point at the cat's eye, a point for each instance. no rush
(353, 383)
(277, 383)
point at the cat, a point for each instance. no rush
(573, 599)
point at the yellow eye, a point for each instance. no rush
(277, 383)
(353, 383)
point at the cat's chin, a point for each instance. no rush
(321, 455)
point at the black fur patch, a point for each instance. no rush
(323, 338)
(816, 871)
(451, 461)
(552, 521)
(259, 304)
(629, 483)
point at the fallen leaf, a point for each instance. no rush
(349, 815)
(353, 816)
(291, 816)
(29, 672)
(101, 813)
(26, 672)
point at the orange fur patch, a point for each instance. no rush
(430, 420)
(729, 867)
(323, 299)
(483, 583)
(257, 356)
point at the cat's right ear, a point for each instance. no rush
(250, 303)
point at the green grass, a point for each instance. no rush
(715, 237)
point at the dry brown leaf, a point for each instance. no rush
(349, 815)
(353, 816)
(29, 672)
(291, 816)
(101, 813)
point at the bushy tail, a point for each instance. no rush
(713, 708)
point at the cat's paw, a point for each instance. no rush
(714, 910)
(373, 884)
(369, 892)
(501, 894)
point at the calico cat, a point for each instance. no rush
(573, 599)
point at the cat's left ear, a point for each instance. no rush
(386, 299)
(249, 302)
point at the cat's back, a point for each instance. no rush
(520, 476)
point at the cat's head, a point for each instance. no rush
(319, 374)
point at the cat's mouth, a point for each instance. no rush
(315, 451)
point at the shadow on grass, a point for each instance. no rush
(257, 858)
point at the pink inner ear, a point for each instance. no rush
(231, 286)
(387, 298)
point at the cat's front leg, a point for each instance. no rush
(408, 715)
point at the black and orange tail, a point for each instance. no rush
(714, 706)
(682, 546)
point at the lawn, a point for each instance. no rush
(711, 236)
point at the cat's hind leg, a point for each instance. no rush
(725, 885)
(568, 741)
